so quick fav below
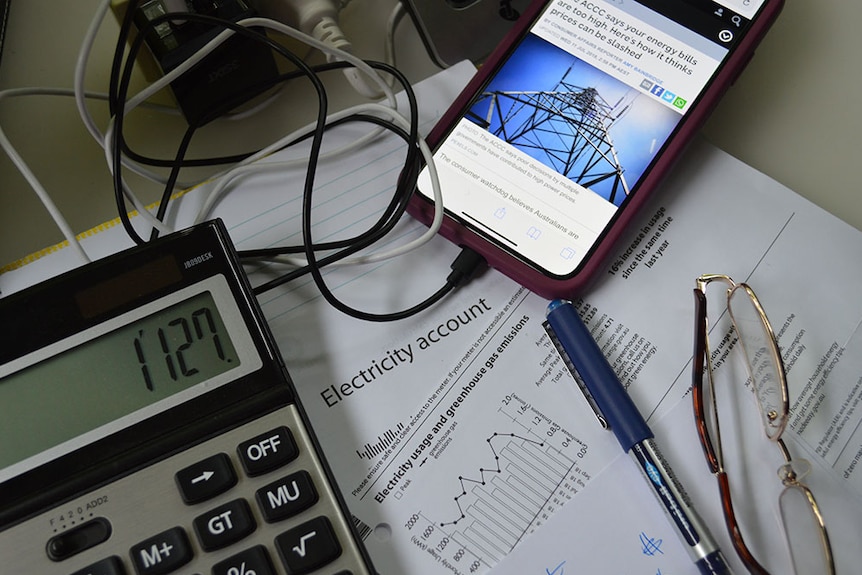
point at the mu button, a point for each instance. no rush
(286, 497)
(308, 546)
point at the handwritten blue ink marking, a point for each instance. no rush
(651, 547)
(558, 570)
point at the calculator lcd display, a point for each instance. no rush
(118, 373)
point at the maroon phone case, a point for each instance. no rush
(522, 272)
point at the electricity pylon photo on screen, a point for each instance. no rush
(566, 128)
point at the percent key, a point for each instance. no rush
(254, 561)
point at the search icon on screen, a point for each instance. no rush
(737, 20)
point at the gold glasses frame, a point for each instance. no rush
(769, 385)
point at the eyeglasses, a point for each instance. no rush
(803, 523)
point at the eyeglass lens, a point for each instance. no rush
(804, 531)
(762, 357)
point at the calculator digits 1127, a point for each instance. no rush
(148, 426)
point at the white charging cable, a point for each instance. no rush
(328, 45)
(361, 65)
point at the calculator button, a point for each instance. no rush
(308, 546)
(267, 451)
(206, 479)
(254, 560)
(163, 553)
(78, 539)
(286, 497)
(107, 566)
(224, 525)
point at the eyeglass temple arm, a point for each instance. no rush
(753, 566)
(698, 367)
(697, 394)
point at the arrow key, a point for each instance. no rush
(206, 478)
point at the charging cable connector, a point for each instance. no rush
(319, 18)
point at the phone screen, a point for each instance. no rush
(560, 137)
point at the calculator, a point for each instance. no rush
(148, 426)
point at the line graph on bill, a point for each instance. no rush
(517, 476)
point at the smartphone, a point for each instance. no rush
(563, 133)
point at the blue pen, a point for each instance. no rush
(616, 410)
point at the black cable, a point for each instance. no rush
(316, 273)
(114, 80)
(239, 98)
(4, 23)
(387, 219)
(173, 176)
(404, 188)
(391, 215)
(384, 224)
(214, 112)
(186, 163)
(262, 253)
(122, 91)
(119, 50)
(179, 159)
(464, 267)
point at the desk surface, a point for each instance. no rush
(791, 114)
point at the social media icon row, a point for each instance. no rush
(666, 95)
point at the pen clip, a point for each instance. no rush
(577, 377)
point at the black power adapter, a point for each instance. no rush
(235, 72)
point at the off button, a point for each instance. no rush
(267, 451)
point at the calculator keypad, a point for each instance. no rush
(308, 546)
(253, 560)
(224, 525)
(286, 497)
(267, 451)
(162, 553)
(252, 500)
(107, 566)
(206, 479)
